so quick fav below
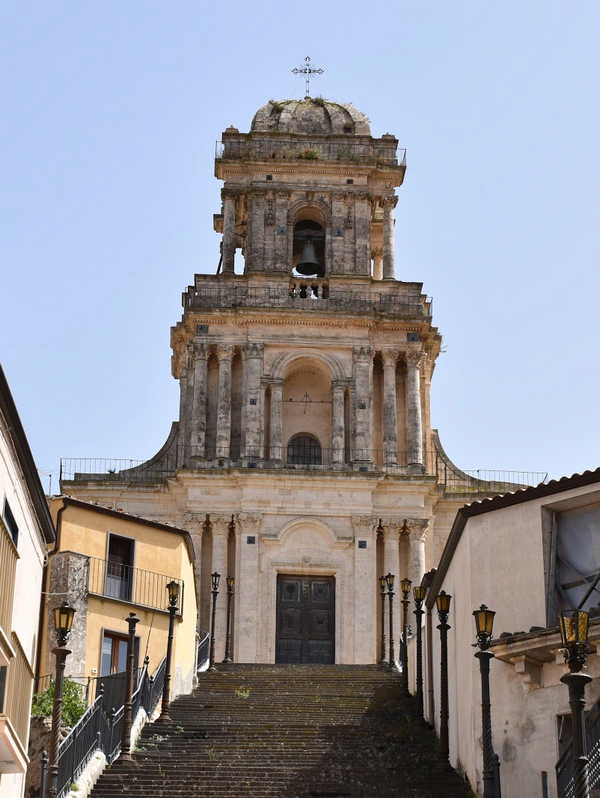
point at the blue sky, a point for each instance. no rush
(110, 115)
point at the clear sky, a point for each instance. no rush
(110, 113)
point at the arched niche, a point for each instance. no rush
(306, 406)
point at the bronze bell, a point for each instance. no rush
(308, 263)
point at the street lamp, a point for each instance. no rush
(63, 622)
(215, 578)
(382, 586)
(442, 602)
(419, 596)
(230, 583)
(405, 586)
(574, 634)
(389, 580)
(132, 620)
(484, 623)
(173, 591)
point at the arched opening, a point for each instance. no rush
(308, 251)
(304, 449)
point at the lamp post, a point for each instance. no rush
(484, 623)
(442, 602)
(230, 583)
(382, 586)
(63, 621)
(215, 578)
(405, 586)
(574, 634)
(173, 591)
(389, 580)
(419, 596)
(132, 620)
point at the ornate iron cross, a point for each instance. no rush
(307, 70)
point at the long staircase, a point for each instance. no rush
(295, 731)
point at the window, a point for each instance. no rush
(575, 561)
(119, 568)
(10, 522)
(304, 450)
(114, 653)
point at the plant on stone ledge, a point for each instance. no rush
(73, 703)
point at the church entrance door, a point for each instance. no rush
(305, 619)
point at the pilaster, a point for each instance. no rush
(363, 391)
(390, 416)
(252, 415)
(224, 353)
(414, 359)
(247, 595)
(365, 593)
(220, 535)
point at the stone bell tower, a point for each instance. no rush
(303, 462)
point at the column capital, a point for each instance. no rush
(201, 348)
(390, 356)
(248, 522)
(415, 357)
(391, 525)
(225, 351)
(364, 525)
(415, 528)
(253, 349)
(388, 201)
(363, 352)
(230, 193)
(220, 523)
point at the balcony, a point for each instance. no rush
(15, 707)
(114, 580)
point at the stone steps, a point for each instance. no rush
(294, 731)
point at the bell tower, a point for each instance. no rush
(308, 191)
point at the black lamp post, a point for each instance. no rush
(442, 602)
(419, 596)
(389, 580)
(230, 583)
(484, 622)
(132, 620)
(173, 591)
(574, 634)
(382, 586)
(63, 621)
(405, 585)
(215, 578)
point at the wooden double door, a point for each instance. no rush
(305, 619)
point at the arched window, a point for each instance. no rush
(304, 450)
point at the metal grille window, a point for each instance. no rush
(575, 561)
(304, 450)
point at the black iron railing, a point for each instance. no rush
(564, 766)
(100, 728)
(133, 585)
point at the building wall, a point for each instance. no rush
(500, 561)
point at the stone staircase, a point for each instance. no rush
(295, 731)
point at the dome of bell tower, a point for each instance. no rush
(312, 116)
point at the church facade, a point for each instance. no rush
(303, 463)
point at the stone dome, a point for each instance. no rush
(311, 116)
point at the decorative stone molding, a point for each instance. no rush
(415, 357)
(364, 525)
(415, 528)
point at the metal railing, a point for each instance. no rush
(202, 652)
(308, 295)
(303, 149)
(449, 479)
(132, 585)
(564, 766)
(19, 686)
(100, 728)
(8, 567)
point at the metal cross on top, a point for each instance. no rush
(307, 70)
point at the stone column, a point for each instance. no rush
(255, 244)
(220, 534)
(413, 405)
(391, 564)
(251, 402)
(282, 233)
(363, 391)
(365, 590)
(247, 597)
(224, 402)
(389, 203)
(228, 232)
(276, 442)
(186, 375)
(363, 234)
(418, 529)
(337, 225)
(337, 424)
(198, 425)
(390, 421)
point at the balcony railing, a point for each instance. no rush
(131, 585)
(19, 687)
(8, 566)
(380, 153)
(478, 482)
(308, 295)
